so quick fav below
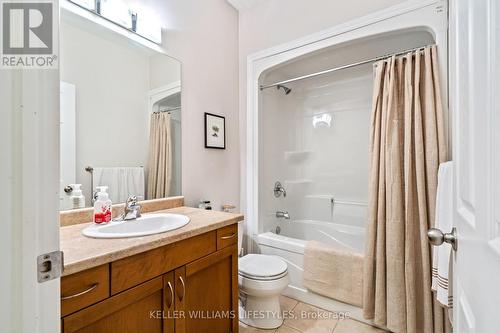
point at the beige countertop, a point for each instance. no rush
(81, 253)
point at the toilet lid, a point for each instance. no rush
(261, 266)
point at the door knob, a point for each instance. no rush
(437, 237)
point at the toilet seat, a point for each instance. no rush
(262, 267)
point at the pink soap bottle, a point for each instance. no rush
(102, 206)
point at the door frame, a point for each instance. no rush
(67, 148)
(157, 94)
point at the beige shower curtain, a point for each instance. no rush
(160, 156)
(407, 144)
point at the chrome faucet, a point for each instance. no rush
(131, 211)
(282, 215)
(132, 208)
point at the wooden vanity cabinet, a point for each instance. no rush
(207, 292)
(175, 291)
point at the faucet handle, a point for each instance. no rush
(282, 214)
(279, 190)
(132, 209)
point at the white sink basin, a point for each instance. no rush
(146, 225)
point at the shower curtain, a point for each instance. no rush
(160, 156)
(406, 146)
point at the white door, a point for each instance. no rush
(29, 183)
(475, 108)
(67, 142)
(29, 198)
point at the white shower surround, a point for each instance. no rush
(428, 16)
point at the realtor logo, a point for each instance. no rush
(28, 35)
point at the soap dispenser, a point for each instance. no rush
(77, 199)
(102, 206)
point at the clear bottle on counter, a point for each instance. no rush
(77, 199)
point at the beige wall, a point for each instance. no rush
(203, 35)
(273, 22)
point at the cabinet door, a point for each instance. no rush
(135, 310)
(207, 292)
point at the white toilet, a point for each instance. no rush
(261, 279)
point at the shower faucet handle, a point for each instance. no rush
(282, 215)
(279, 190)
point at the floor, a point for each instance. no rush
(316, 321)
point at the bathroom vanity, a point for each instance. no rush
(185, 280)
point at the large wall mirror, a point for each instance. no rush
(120, 116)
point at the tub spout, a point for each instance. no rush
(282, 215)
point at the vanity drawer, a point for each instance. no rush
(227, 236)
(85, 288)
(132, 271)
(130, 311)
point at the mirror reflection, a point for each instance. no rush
(120, 116)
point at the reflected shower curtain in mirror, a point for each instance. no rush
(407, 144)
(160, 156)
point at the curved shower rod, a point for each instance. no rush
(331, 70)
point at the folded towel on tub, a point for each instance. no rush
(334, 272)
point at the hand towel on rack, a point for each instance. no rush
(121, 181)
(334, 272)
(441, 263)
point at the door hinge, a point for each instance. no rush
(50, 266)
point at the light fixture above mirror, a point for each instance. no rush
(119, 13)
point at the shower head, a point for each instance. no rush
(285, 89)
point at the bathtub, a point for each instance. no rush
(290, 243)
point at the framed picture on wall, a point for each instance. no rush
(215, 131)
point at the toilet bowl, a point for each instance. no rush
(261, 280)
